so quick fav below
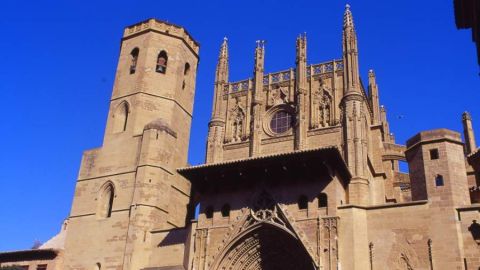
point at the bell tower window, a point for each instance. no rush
(162, 61)
(209, 212)
(133, 60)
(302, 202)
(186, 70)
(225, 210)
(322, 200)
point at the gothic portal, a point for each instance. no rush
(263, 239)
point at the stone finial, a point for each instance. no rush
(301, 41)
(470, 143)
(466, 116)
(221, 74)
(348, 18)
(224, 49)
(259, 54)
(260, 43)
(372, 80)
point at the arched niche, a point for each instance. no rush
(120, 117)
(105, 198)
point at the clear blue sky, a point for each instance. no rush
(58, 60)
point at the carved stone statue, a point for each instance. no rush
(321, 107)
(237, 120)
(278, 96)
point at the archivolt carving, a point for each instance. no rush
(264, 238)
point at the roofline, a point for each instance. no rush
(18, 255)
(259, 158)
(228, 162)
(38, 250)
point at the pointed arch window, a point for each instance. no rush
(322, 200)
(302, 202)
(120, 117)
(98, 266)
(162, 61)
(226, 210)
(105, 201)
(134, 60)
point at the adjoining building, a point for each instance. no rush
(301, 171)
(48, 256)
(467, 16)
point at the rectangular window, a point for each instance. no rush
(434, 153)
(42, 267)
(439, 181)
(23, 267)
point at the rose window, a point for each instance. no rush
(281, 122)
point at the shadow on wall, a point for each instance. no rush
(174, 237)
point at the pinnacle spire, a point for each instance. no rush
(350, 53)
(301, 47)
(470, 143)
(348, 18)
(224, 49)
(259, 55)
(222, 65)
(260, 44)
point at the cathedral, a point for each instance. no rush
(301, 171)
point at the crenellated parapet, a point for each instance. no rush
(167, 28)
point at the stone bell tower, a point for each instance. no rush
(128, 189)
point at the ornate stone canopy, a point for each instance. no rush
(303, 163)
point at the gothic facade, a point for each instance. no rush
(301, 171)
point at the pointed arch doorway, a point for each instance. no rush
(265, 246)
